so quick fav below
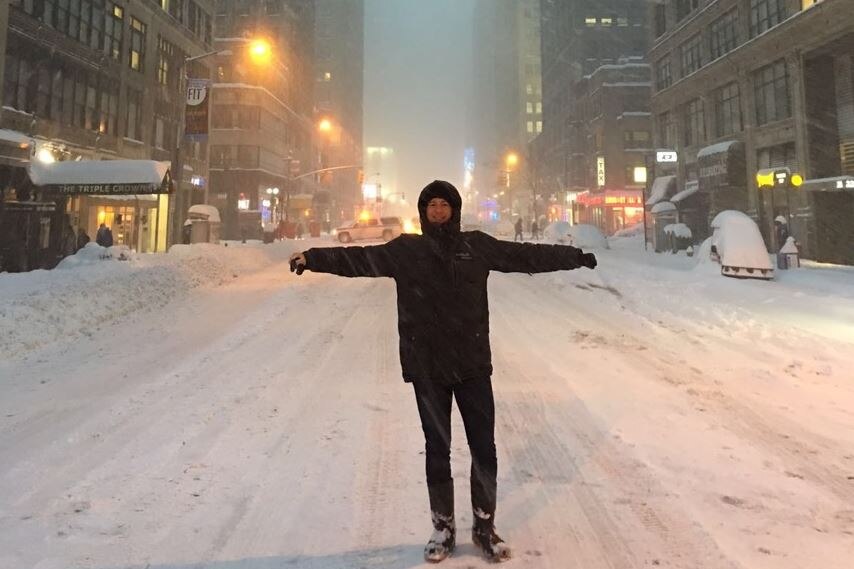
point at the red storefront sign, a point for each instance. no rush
(611, 198)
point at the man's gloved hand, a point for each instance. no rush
(297, 262)
(587, 260)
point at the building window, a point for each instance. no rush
(765, 14)
(727, 110)
(133, 123)
(109, 111)
(56, 94)
(660, 19)
(79, 114)
(539, 108)
(663, 77)
(159, 133)
(771, 89)
(691, 57)
(530, 127)
(165, 58)
(724, 34)
(137, 45)
(685, 7)
(779, 156)
(248, 156)
(589, 21)
(92, 120)
(530, 108)
(113, 31)
(695, 124)
(636, 139)
(539, 126)
(665, 125)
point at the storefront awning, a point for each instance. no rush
(836, 184)
(691, 188)
(103, 177)
(662, 187)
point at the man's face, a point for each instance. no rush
(438, 211)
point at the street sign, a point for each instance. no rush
(666, 156)
(197, 108)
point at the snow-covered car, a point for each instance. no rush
(385, 228)
(583, 236)
(737, 244)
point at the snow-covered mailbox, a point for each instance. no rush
(788, 257)
(205, 223)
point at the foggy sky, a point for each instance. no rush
(417, 70)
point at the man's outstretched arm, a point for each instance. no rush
(374, 261)
(511, 257)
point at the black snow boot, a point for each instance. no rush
(444, 536)
(483, 536)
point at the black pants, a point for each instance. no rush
(477, 407)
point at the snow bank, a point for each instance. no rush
(99, 286)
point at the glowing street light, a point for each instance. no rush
(260, 51)
(325, 125)
(511, 160)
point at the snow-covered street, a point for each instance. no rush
(649, 414)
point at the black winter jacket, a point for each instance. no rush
(443, 313)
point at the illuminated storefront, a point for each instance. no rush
(131, 197)
(609, 210)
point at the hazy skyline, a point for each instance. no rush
(417, 85)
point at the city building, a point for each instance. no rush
(594, 83)
(96, 80)
(262, 122)
(339, 73)
(506, 110)
(381, 188)
(747, 85)
(610, 141)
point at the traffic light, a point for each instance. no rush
(360, 176)
(502, 179)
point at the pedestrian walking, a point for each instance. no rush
(104, 236)
(82, 238)
(535, 230)
(443, 323)
(518, 230)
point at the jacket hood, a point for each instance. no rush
(446, 191)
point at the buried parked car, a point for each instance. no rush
(582, 236)
(737, 245)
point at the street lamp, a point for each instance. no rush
(325, 125)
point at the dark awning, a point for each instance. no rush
(103, 177)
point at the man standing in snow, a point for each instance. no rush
(443, 322)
